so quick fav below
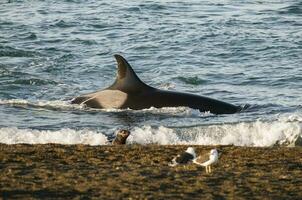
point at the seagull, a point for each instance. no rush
(121, 137)
(184, 157)
(207, 161)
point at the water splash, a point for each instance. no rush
(286, 130)
(57, 104)
(63, 136)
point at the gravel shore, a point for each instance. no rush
(142, 172)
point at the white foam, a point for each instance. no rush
(250, 134)
(179, 111)
(63, 136)
(13, 101)
(284, 130)
(57, 104)
(175, 111)
(258, 133)
(148, 135)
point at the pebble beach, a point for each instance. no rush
(55, 171)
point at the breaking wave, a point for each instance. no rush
(285, 131)
(63, 136)
(259, 133)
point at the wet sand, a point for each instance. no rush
(142, 172)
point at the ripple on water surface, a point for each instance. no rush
(235, 51)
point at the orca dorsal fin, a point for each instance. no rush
(126, 79)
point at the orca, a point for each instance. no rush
(128, 91)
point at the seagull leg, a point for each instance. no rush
(210, 169)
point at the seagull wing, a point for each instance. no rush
(184, 158)
(203, 160)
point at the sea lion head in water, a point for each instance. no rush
(121, 137)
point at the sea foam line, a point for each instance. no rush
(59, 104)
(63, 136)
(284, 131)
(260, 134)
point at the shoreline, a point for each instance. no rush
(142, 172)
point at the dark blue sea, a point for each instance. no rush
(241, 52)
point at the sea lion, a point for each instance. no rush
(121, 137)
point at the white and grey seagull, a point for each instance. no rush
(207, 160)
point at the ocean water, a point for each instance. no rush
(241, 52)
